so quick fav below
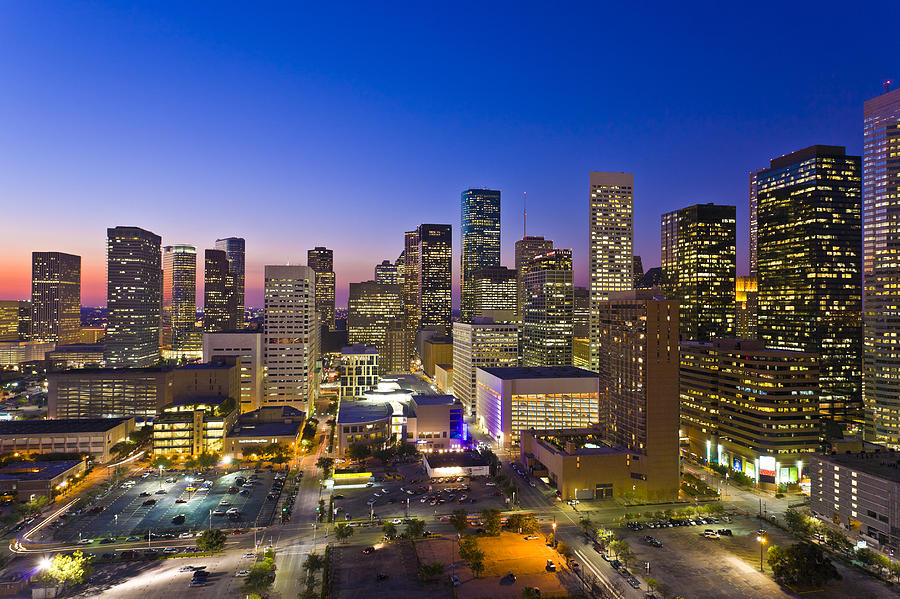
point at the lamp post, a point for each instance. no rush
(554, 533)
(210, 519)
(762, 543)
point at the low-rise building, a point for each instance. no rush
(443, 377)
(359, 369)
(30, 480)
(511, 400)
(436, 350)
(193, 425)
(94, 436)
(13, 353)
(457, 463)
(860, 491)
(363, 422)
(76, 355)
(435, 423)
(247, 347)
(268, 424)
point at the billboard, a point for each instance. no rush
(767, 468)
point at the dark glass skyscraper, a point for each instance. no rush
(547, 328)
(55, 297)
(526, 249)
(219, 312)
(809, 267)
(234, 251)
(321, 260)
(435, 243)
(480, 232)
(133, 297)
(180, 296)
(698, 257)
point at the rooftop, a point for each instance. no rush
(539, 372)
(359, 348)
(79, 347)
(434, 400)
(36, 470)
(215, 365)
(463, 459)
(884, 463)
(266, 429)
(52, 427)
(209, 400)
(352, 412)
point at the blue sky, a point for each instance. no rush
(346, 124)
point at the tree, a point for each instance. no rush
(837, 539)
(797, 522)
(652, 584)
(459, 520)
(477, 564)
(468, 547)
(802, 564)
(208, 460)
(313, 563)
(161, 461)
(523, 523)
(358, 452)
(564, 550)
(415, 528)
(625, 553)
(325, 465)
(587, 525)
(72, 569)
(260, 577)
(389, 529)
(492, 522)
(430, 572)
(342, 532)
(211, 540)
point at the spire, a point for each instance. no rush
(524, 215)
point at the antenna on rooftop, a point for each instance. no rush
(524, 214)
(887, 85)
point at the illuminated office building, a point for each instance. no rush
(639, 408)
(435, 244)
(291, 333)
(698, 254)
(411, 286)
(9, 320)
(321, 260)
(180, 296)
(581, 313)
(372, 309)
(24, 320)
(133, 297)
(549, 310)
(494, 291)
(746, 306)
(386, 273)
(480, 247)
(359, 369)
(808, 217)
(611, 242)
(638, 271)
(881, 272)
(526, 249)
(480, 344)
(219, 310)
(750, 408)
(246, 347)
(234, 251)
(55, 297)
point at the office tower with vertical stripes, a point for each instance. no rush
(547, 327)
(55, 297)
(219, 310)
(321, 260)
(435, 243)
(180, 296)
(480, 241)
(234, 248)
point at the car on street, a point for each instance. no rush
(134, 539)
(368, 550)
(150, 502)
(197, 582)
(178, 519)
(144, 494)
(551, 566)
(170, 550)
(242, 573)
(180, 500)
(249, 554)
(186, 535)
(532, 538)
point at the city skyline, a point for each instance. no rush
(122, 150)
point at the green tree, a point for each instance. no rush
(492, 522)
(530, 593)
(652, 584)
(523, 523)
(625, 553)
(260, 577)
(325, 465)
(459, 520)
(161, 461)
(587, 525)
(802, 564)
(415, 528)
(389, 530)
(430, 572)
(342, 532)
(208, 460)
(836, 539)
(564, 550)
(211, 540)
(797, 522)
(69, 569)
(358, 452)
(468, 547)
(477, 564)
(313, 563)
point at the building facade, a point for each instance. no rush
(435, 243)
(179, 303)
(55, 297)
(411, 311)
(809, 269)
(387, 273)
(247, 347)
(234, 248)
(526, 249)
(611, 241)
(547, 327)
(359, 369)
(133, 297)
(480, 241)
(699, 261)
(746, 307)
(480, 344)
(108, 392)
(494, 292)
(9, 320)
(193, 426)
(220, 312)
(372, 309)
(321, 260)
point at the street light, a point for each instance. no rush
(44, 563)
(554, 533)
(762, 542)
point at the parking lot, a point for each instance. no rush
(356, 574)
(158, 503)
(424, 498)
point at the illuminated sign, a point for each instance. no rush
(767, 466)
(346, 475)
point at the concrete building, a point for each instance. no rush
(13, 353)
(193, 425)
(395, 358)
(387, 273)
(435, 423)
(94, 436)
(435, 243)
(359, 369)
(443, 378)
(579, 463)
(321, 260)
(481, 344)
(269, 424)
(291, 336)
(548, 312)
(611, 242)
(526, 249)
(459, 463)
(92, 334)
(76, 355)
(133, 297)
(494, 293)
(235, 249)
(510, 400)
(363, 423)
(750, 408)
(247, 347)
(638, 341)
(55, 297)
(861, 492)
(179, 303)
(436, 350)
(29, 480)
(220, 377)
(480, 241)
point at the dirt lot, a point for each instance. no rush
(504, 554)
(356, 574)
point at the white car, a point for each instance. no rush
(242, 573)
(250, 554)
(396, 521)
(186, 535)
(490, 483)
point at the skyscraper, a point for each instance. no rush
(55, 297)
(808, 217)
(180, 296)
(746, 307)
(386, 273)
(494, 291)
(581, 314)
(699, 260)
(219, 310)
(9, 320)
(372, 309)
(638, 269)
(133, 297)
(526, 249)
(480, 232)
(549, 309)
(411, 287)
(291, 339)
(754, 228)
(234, 250)
(881, 273)
(435, 244)
(611, 241)
(480, 344)
(321, 260)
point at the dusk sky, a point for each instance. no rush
(345, 125)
